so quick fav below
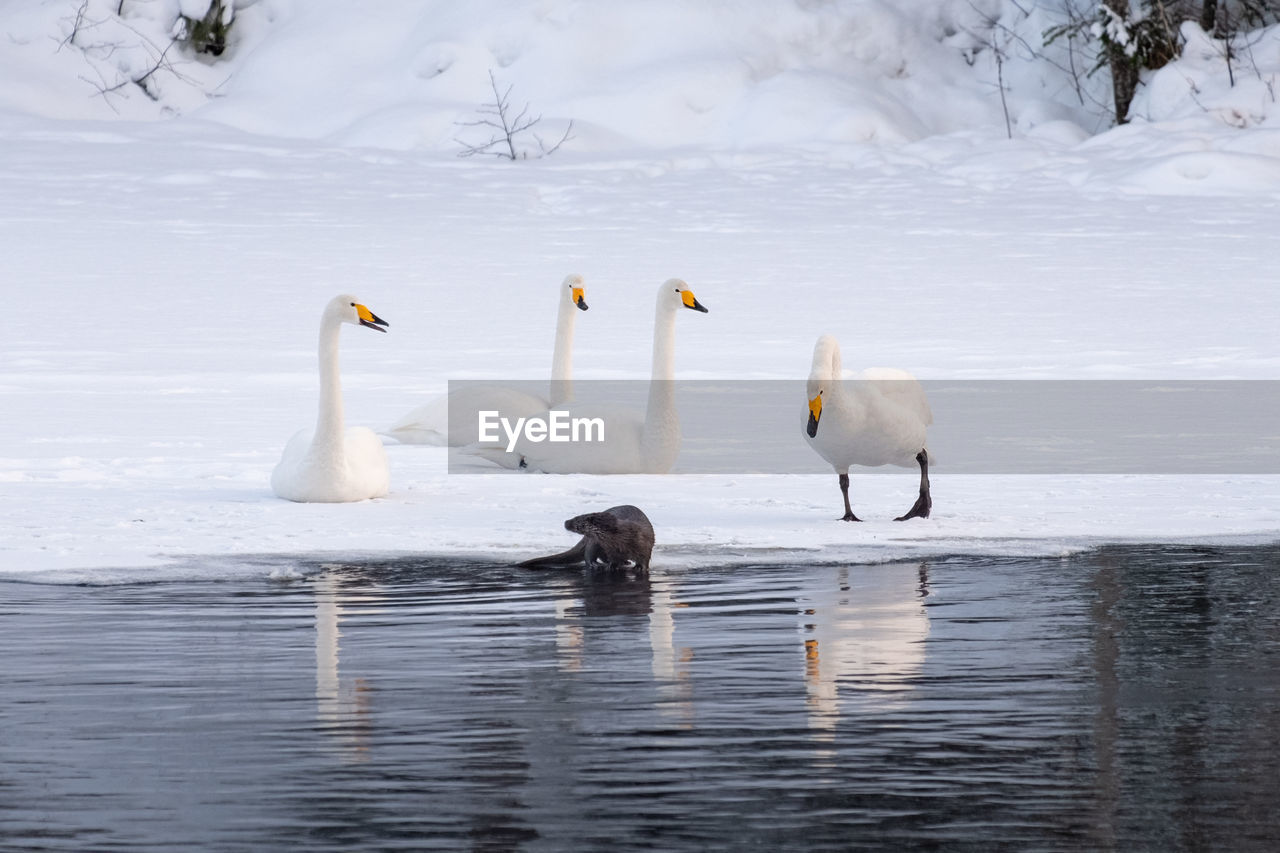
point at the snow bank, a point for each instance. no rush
(652, 75)
(669, 75)
(219, 529)
(1235, 84)
(404, 73)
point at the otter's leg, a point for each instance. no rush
(573, 557)
(596, 557)
(924, 503)
(844, 490)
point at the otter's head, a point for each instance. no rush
(593, 523)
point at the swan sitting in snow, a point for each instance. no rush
(878, 418)
(634, 443)
(452, 418)
(331, 464)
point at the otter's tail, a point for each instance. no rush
(573, 557)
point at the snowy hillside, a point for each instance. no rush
(748, 74)
(402, 74)
(837, 167)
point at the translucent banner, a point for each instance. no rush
(761, 427)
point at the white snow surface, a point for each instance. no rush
(810, 168)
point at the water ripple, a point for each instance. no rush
(1125, 699)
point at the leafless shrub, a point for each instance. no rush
(505, 127)
(120, 55)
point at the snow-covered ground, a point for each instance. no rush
(164, 281)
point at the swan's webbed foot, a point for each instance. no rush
(920, 509)
(924, 503)
(848, 516)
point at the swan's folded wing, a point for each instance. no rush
(453, 418)
(497, 455)
(427, 424)
(902, 388)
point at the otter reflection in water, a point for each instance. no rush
(598, 616)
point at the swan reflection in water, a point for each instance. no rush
(671, 663)
(864, 642)
(600, 594)
(342, 705)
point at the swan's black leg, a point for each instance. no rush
(924, 503)
(844, 490)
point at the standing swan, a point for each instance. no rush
(633, 443)
(331, 464)
(877, 419)
(452, 418)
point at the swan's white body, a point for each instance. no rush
(635, 443)
(332, 464)
(878, 417)
(452, 419)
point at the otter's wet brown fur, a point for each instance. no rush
(620, 537)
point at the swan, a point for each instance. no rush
(452, 418)
(878, 418)
(634, 443)
(331, 464)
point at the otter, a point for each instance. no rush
(620, 537)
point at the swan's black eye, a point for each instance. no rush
(353, 305)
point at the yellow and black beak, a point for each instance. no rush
(815, 413)
(580, 298)
(370, 320)
(690, 301)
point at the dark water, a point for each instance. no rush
(1126, 699)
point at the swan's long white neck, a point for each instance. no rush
(329, 423)
(664, 342)
(826, 361)
(661, 424)
(562, 355)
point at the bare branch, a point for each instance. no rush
(998, 50)
(114, 34)
(161, 62)
(505, 127)
(568, 134)
(75, 26)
